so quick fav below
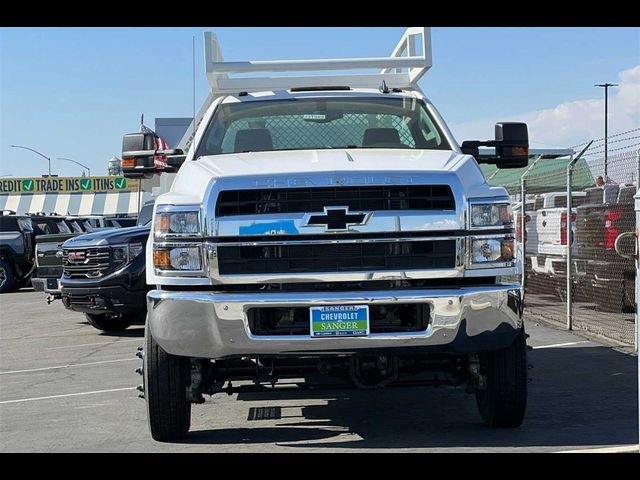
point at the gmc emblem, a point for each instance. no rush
(76, 256)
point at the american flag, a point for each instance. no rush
(159, 161)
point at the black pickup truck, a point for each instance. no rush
(48, 254)
(103, 274)
(601, 275)
(17, 245)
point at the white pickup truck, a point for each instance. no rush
(329, 226)
(551, 231)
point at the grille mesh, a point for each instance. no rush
(365, 198)
(380, 256)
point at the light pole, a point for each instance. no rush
(606, 117)
(78, 163)
(35, 151)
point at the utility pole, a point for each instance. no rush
(35, 151)
(77, 163)
(606, 116)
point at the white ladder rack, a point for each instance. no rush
(402, 69)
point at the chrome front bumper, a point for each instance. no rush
(214, 325)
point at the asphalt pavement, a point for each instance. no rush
(66, 387)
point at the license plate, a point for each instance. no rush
(52, 283)
(339, 321)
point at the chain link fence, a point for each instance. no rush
(599, 296)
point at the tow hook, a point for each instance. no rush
(194, 393)
(51, 299)
(477, 381)
(373, 372)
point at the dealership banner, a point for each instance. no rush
(67, 185)
(72, 195)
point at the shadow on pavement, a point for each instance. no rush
(257, 435)
(129, 332)
(583, 396)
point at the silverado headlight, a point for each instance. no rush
(487, 251)
(180, 258)
(487, 215)
(123, 254)
(177, 222)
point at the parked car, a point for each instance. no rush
(16, 250)
(103, 274)
(601, 275)
(549, 262)
(17, 245)
(99, 222)
(48, 257)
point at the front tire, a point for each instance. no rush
(503, 402)
(110, 323)
(166, 378)
(7, 279)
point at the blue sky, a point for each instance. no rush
(73, 92)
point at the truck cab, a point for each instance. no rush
(329, 226)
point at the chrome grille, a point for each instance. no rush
(86, 262)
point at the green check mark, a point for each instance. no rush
(120, 183)
(85, 184)
(28, 185)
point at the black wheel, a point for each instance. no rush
(611, 298)
(629, 301)
(166, 378)
(504, 401)
(7, 279)
(110, 323)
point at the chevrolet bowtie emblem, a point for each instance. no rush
(336, 219)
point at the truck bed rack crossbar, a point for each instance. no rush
(409, 61)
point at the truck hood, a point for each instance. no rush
(55, 237)
(109, 237)
(308, 161)
(194, 177)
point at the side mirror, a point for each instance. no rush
(511, 144)
(141, 159)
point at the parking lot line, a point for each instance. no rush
(66, 395)
(115, 342)
(69, 366)
(560, 344)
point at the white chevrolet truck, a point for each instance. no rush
(329, 229)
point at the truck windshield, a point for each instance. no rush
(25, 224)
(322, 123)
(63, 227)
(75, 227)
(86, 225)
(145, 214)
